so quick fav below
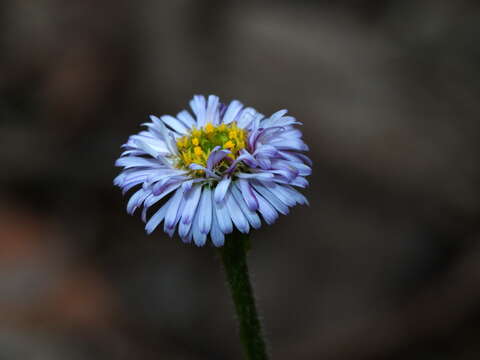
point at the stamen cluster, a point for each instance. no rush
(195, 148)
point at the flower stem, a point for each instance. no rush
(234, 257)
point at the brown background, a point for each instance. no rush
(384, 264)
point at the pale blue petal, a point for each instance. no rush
(236, 214)
(158, 126)
(251, 216)
(281, 192)
(186, 118)
(290, 144)
(221, 189)
(299, 198)
(175, 124)
(258, 175)
(272, 199)
(135, 200)
(216, 234)
(232, 111)
(172, 211)
(245, 117)
(205, 209)
(212, 115)
(199, 108)
(223, 217)
(150, 150)
(268, 212)
(134, 161)
(199, 238)
(157, 218)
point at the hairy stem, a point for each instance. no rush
(234, 257)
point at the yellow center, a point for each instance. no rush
(197, 146)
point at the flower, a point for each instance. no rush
(218, 169)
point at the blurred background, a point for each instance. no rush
(384, 264)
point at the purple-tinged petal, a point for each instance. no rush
(161, 175)
(252, 138)
(301, 168)
(191, 203)
(187, 185)
(184, 229)
(216, 156)
(162, 185)
(245, 156)
(187, 239)
(264, 163)
(266, 151)
(251, 216)
(155, 198)
(221, 110)
(208, 172)
(248, 194)
(289, 174)
(199, 238)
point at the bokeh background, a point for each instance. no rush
(384, 264)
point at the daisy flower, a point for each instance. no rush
(218, 168)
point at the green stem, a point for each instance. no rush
(234, 257)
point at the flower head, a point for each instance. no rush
(218, 169)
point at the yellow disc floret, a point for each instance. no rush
(197, 146)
